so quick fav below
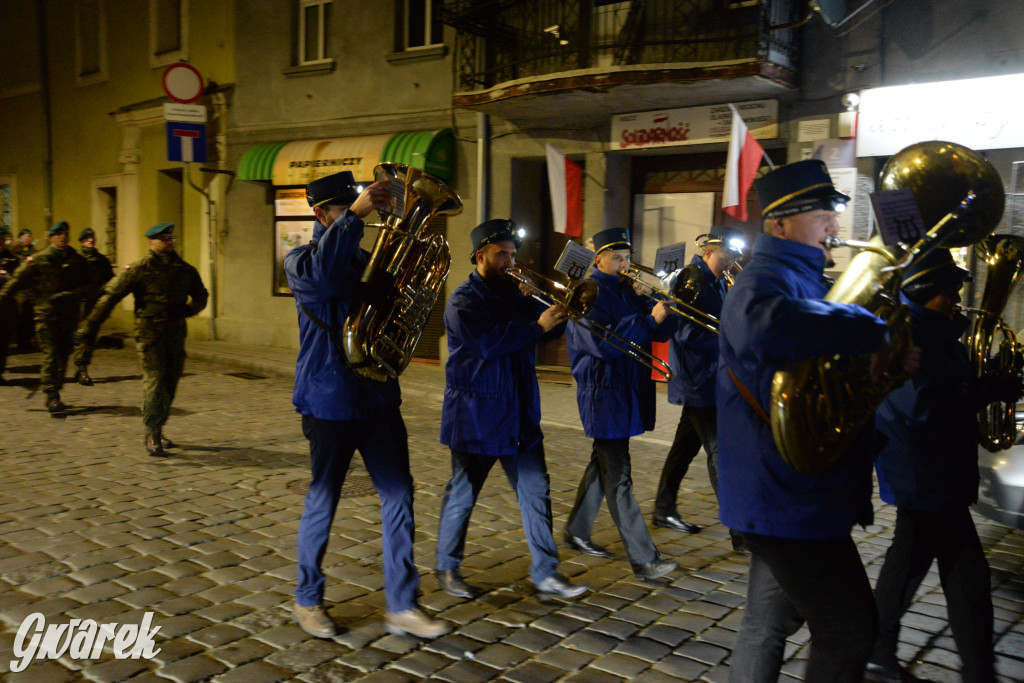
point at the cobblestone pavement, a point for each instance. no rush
(93, 528)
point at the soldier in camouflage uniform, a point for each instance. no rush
(24, 326)
(167, 290)
(55, 278)
(8, 310)
(100, 271)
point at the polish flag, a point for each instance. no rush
(565, 181)
(744, 159)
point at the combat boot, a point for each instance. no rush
(83, 378)
(54, 404)
(154, 447)
(164, 441)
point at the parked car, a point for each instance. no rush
(1001, 496)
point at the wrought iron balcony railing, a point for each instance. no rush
(506, 40)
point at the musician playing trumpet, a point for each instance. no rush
(804, 564)
(693, 357)
(616, 398)
(491, 410)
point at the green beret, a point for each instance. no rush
(25, 231)
(59, 226)
(88, 232)
(159, 228)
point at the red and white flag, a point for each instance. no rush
(565, 181)
(744, 159)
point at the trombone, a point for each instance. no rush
(673, 296)
(578, 298)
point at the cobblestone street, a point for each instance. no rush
(93, 528)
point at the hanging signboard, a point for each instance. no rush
(693, 125)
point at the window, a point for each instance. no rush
(90, 42)
(420, 25)
(314, 18)
(168, 31)
(8, 215)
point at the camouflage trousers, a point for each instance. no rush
(162, 353)
(54, 338)
(8, 322)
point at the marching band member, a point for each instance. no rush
(804, 564)
(491, 410)
(693, 357)
(928, 469)
(342, 412)
(616, 398)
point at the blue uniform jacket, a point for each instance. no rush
(930, 461)
(491, 399)
(616, 395)
(323, 276)
(774, 315)
(693, 350)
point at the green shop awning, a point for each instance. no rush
(302, 161)
(432, 151)
(258, 162)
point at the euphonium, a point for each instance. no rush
(819, 405)
(403, 277)
(1004, 256)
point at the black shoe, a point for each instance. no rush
(153, 446)
(585, 546)
(54, 404)
(557, 586)
(675, 522)
(164, 441)
(883, 674)
(83, 378)
(655, 570)
(453, 584)
(739, 545)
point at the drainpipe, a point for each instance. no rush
(483, 166)
(211, 225)
(44, 77)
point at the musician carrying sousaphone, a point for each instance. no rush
(804, 564)
(928, 469)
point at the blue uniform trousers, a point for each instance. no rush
(951, 538)
(609, 476)
(792, 580)
(528, 475)
(383, 443)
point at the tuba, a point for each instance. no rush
(404, 276)
(1004, 256)
(819, 405)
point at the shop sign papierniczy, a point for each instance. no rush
(693, 125)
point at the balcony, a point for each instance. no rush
(580, 61)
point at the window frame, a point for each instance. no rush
(172, 56)
(300, 51)
(102, 73)
(428, 27)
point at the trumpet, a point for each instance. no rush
(578, 298)
(685, 287)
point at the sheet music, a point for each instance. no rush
(575, 261)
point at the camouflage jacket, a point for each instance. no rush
(23, 251)
(56, 279)
(166, 290)
(9, 262)
(100, 269)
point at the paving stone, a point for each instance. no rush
(532, 640)
(241, 652)
(254, 672)
(198, 668)
(565, 658)
(465, 672)
(307, 654)
(643, 649)
(114, 670)
(532, 672)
